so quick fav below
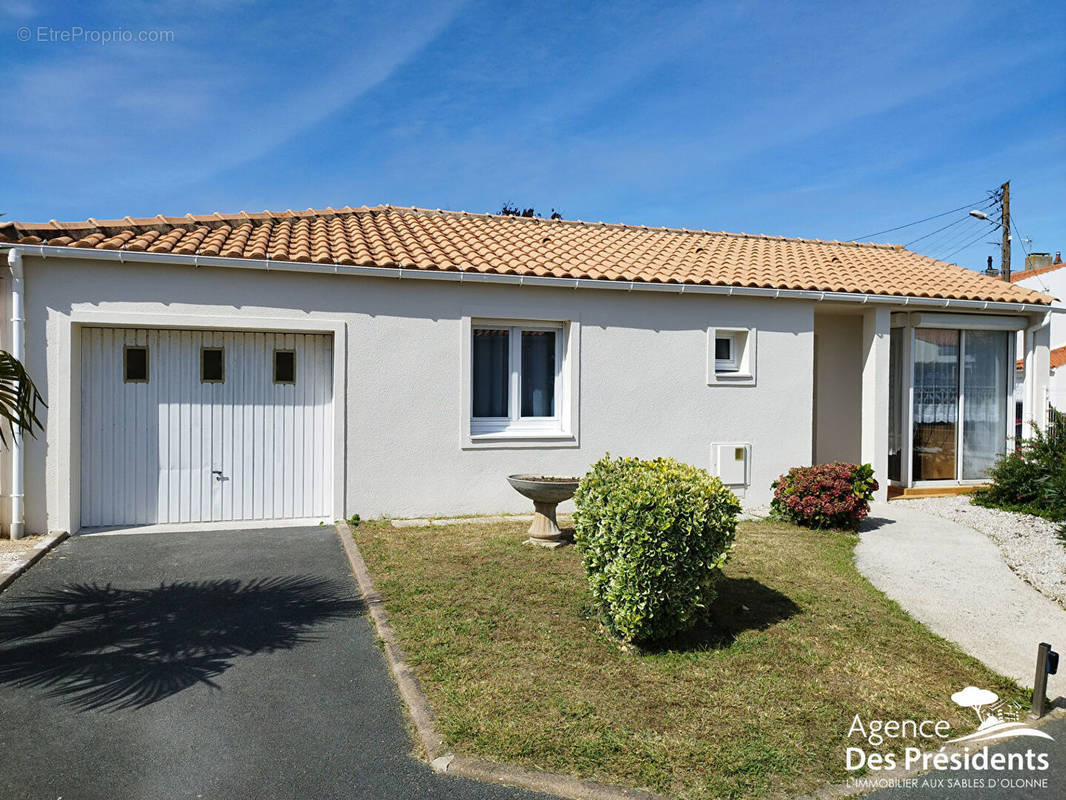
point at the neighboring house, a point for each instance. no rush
(314, 364)
(1046, 274)
(1056, 385)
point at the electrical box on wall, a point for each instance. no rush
(730, 461)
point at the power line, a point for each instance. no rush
(938, 230)
(951, 240)
(919, 222)
(966, 246)
(1025, 248)
(943, 239)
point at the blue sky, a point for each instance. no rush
(826, 120)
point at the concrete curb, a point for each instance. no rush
(10, 572)
(410, 691)
(422, 713)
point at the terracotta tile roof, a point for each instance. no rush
(1032, 273)
(412, 238)
(1058, 358)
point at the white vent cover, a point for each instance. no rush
(729, 461)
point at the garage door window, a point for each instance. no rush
(135, 364)
(212, 365)
(284, 366)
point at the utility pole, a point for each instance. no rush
(1004, 257)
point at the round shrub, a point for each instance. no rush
(825, 496)
(653, 536)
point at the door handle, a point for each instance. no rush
(218, 474)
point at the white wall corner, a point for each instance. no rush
(876, 326)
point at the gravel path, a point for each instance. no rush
(1030, 545)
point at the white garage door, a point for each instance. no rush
(199, 426)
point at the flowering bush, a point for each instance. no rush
(825, 496)
(653, 536)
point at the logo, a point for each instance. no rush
(881, 751)
(1000, 721)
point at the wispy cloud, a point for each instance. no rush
(209, 101)
(18, 9)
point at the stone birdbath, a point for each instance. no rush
(546, 493)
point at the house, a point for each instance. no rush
(1046, 274)
(402, 361)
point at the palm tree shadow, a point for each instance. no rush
(104, 648)
(743, 604)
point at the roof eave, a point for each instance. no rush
(268, 265)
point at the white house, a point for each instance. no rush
(1051, 279)
(311, 365)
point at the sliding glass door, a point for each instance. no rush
(984, 407)
(960, 403)
(936, 404)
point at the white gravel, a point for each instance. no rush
(1030, 545)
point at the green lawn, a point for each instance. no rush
(515, 665)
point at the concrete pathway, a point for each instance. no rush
(954, 580)
(229, 665)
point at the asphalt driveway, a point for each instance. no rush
(1016, 784)
(202, 665)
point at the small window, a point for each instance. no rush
(212, 365)
(730, 356)
(135, 364)
(725, 353)
(284, 366)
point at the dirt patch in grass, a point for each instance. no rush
(513, 660)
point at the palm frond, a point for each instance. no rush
(19, 398)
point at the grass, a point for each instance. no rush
(514, 662)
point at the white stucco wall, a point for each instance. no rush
(1057, 388)
(1054, 284)
(838, 388)
(642, 389)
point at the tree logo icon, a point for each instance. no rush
(996, 720)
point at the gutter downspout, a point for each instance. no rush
(18, 350)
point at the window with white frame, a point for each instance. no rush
(731, 356)
(726, 352)
(516, 374)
